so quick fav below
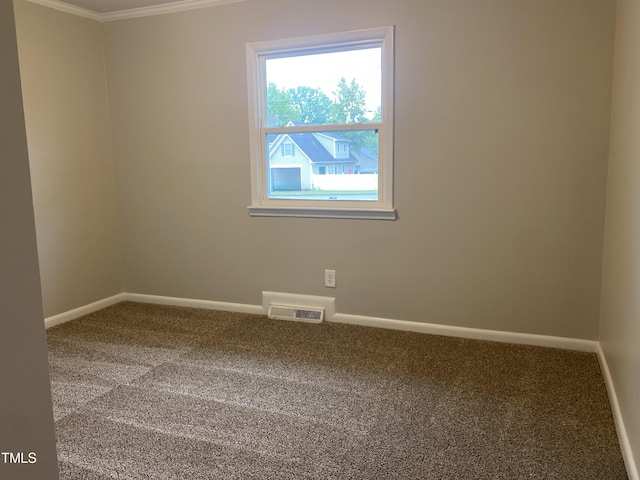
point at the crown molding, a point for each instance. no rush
(67, 8)
(178, 6)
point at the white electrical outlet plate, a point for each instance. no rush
(330, 278)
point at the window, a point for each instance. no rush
(287, 149)
(322, 105)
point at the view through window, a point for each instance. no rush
(336, 88)
(321, 113)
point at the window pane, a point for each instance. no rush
(321, 89)
(323, 165)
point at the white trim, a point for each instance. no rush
(465, 332)
(68, 8)
(174, 7)
(331, 315)
(180, 6)
(319, 212)
(322, 129)
(192, 303)
(623, 439)
(84, 310)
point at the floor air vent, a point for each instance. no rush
(298, 314)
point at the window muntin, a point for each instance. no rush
(345, 131)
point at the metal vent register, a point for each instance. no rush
(298, 314)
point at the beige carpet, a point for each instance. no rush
(153, 392)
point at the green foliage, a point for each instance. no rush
(310, 105)
(362, 138)
(377, 115)
(349, 103)
(280, 108)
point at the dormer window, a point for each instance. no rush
(287, 149)
(342, 149)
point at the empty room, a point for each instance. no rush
(313, 239)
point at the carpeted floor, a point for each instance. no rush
(154, 392)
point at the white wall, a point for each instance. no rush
(620, 318)
(26, 416)
(502, 128)
(68, 134)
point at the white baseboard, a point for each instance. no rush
(465, 332)
(84, 310)
(625, 446)
(332, 316)
(192, 303)
(153, 299)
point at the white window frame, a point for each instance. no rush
(257, 54)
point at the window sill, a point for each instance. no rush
(306, 212)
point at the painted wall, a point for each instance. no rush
(502, 122)
(26, 416)
(620, 320)
(63, 79)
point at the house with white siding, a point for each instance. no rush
(295, 159)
